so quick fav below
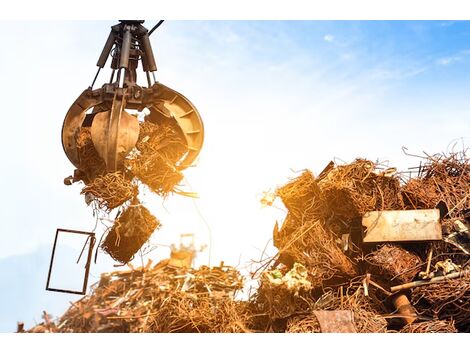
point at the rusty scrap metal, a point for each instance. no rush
(158, 298)
(402, 225)
(404, 308)
(434, 280)
(313, 270)
(335, 321)
(394, 263)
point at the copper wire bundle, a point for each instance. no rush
(159, 299)
(315, 247)
(111, 190)
(356, 188)
(91, 164)
(432, 326)
(441, 178)
(445, 300)
(367, 311)
(392, 262)
(159, 148)
(130, 231)
(303, 198)
(366, 318)
(186, 313)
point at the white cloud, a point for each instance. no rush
(383, 74)
(446, 23)
(445, 61)
(329, 38)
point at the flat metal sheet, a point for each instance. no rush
(335, 321)
(402, 225)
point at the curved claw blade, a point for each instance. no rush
(114, 133)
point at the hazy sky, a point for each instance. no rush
(275, 98)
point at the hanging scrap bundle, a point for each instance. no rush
(130, 231)
(155, 160)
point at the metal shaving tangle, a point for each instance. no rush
(393, 262)
(442, 178)
(158, 150)
(111, 190)
(446, 300)
(356, 188)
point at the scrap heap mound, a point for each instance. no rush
(321, 241)
(154, 162)
(325, 277)
(161, 298)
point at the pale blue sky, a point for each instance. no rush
(274, 97)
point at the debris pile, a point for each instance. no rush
(361, 249)
(370, 242)
(161, 298)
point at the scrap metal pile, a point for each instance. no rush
(162, 298)
(361, 249)
(406, 274)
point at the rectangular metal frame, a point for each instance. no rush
(91, 236)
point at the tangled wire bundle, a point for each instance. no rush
(445, 300)
(111, 190)
(91, 164)
(366, 310)
(196, 313)
(159, 148)
(303, 198)
(366, 318)
(354, 189)
(130, 231)
(433, 326)
(393, 262)
(442, 178)
(315, 247)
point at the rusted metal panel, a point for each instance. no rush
(402, 225)
(335, 321)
